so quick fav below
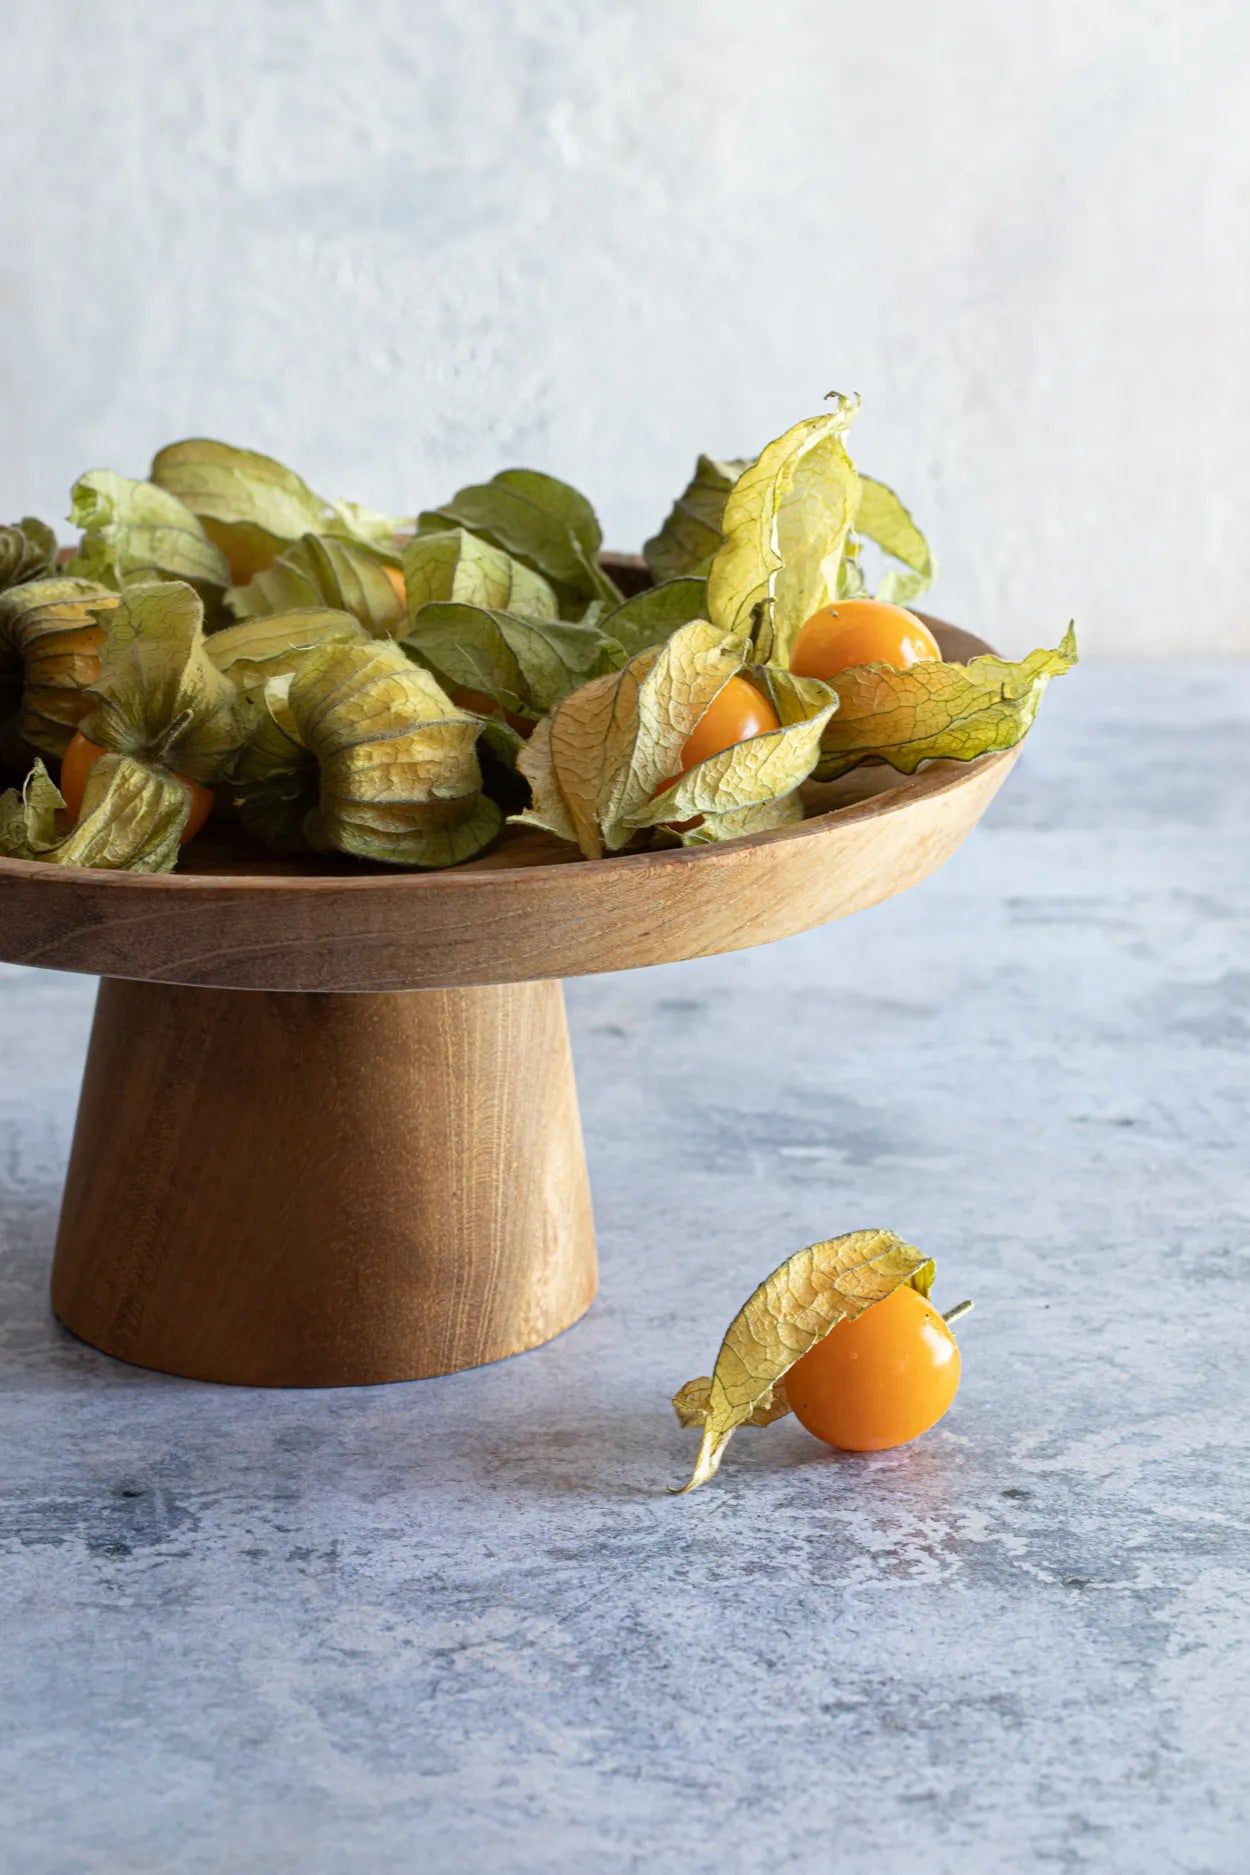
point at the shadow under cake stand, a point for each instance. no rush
(328, 1131)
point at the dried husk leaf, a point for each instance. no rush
(786, 524)
(649, 617)
(364, 750)
(275, 645)
(793, 1309)
(453, 566)
(753, 786)
(320, 571)
(882, 518)
(132, 819)
(135, 531)
(539, 520)
(159, 697)
(526, 665)
(688, 541)
(51, 634)
(595, 763)
(27, 551)
(949, 712)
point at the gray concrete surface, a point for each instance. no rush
(459, 1625)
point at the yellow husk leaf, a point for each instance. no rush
(794, 1308)
(786, 524)
(950, 712)
(131, 820)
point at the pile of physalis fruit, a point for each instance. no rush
(223, 641)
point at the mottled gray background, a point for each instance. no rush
(459, 1625)
(406, 244)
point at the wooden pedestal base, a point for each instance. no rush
(293, 1190)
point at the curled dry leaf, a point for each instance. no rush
(134, 531)
(159, 697)
(27, 551)
(361, 752)
(794, 1308)
(786, 523)
(539, 520)
(951, 712)
(687, 542)
(336, 575)
(51, 634)
(131, 819)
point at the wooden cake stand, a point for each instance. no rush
(290, 1170)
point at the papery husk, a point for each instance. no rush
(792, 1310)
(337, 575)
(937, 711)
(786, 523)
(51, 635)
(27, 551)
(539, 520)
(135, 532)
(276, 644)
(601, 766)
(158, 696)
(131, 819)
(362, 753)
(454, 567)
(692, 532)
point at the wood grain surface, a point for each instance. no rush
(297, 1190)
(234, 918)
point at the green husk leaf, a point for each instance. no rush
(947, 712)
(523, 664)
(752, 786)
(688, 541)
(27, 551)
(351, 520)
(364, 752)
(159, 697)
(539, 520)
(791, 1311)
(786, 525)
(132, 819)
(654, 615)
(135, 531)
(594, 764)
(50, 641)
(275, 645)
(320, 571)
(882, 518)
(453, 566)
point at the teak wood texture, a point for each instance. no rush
(329, 1181)
(232, 918)
(294, 1190)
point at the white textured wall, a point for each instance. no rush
(402, 245)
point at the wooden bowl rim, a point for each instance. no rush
(930, 781)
